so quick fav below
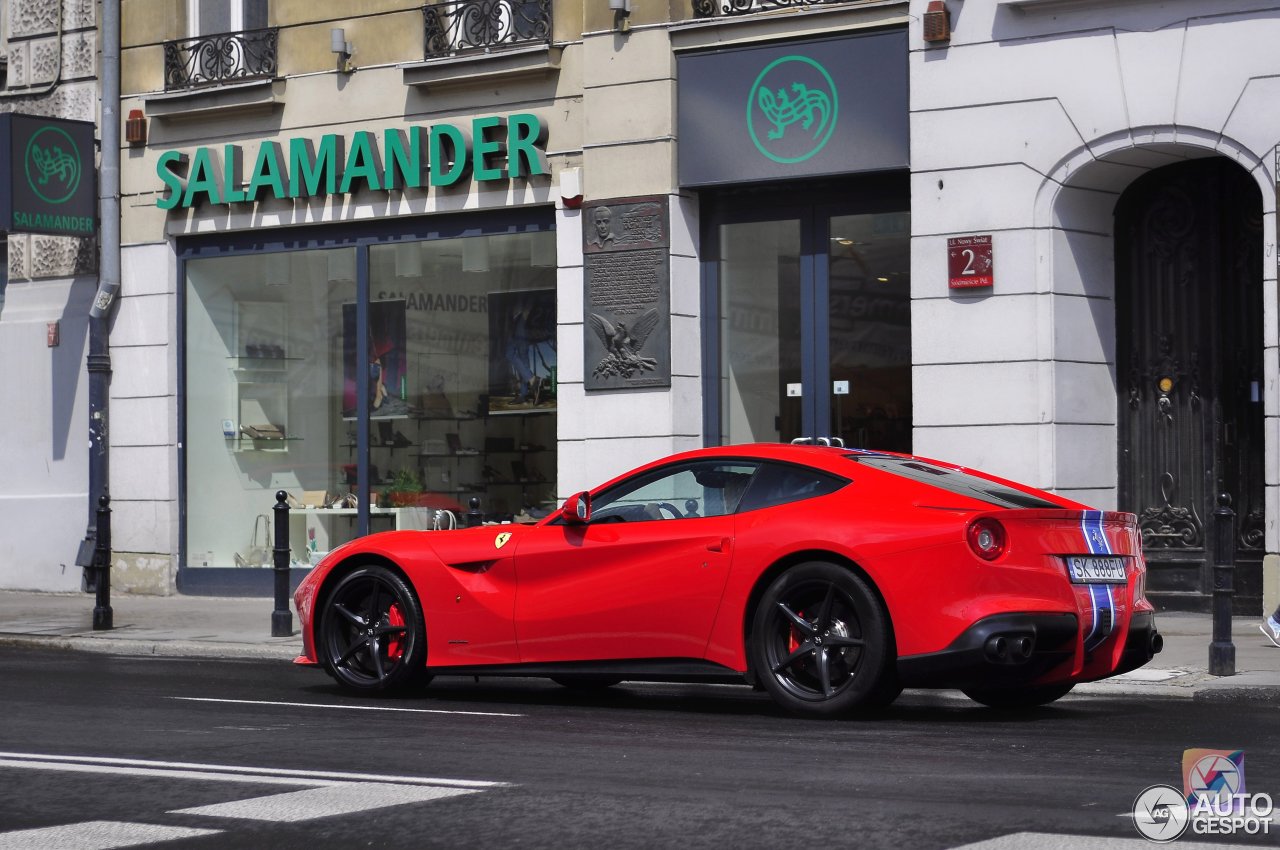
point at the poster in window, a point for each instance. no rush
(388, 375)
(522, 351)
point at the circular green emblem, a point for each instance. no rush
(53, 165)
(791, 109)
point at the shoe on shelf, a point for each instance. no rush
(1271, 628)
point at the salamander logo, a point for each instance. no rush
(792, 109)
(52, 165)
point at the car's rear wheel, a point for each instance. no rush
(820, 642)
(586, 681)
(372, 636)
(1029, 697)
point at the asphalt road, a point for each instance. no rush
(101, 751)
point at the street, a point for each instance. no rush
(107, 751)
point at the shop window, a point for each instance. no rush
(458, 381)
(470, 383)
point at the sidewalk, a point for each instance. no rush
(221, 627)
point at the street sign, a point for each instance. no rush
(49, 170)
(969, 262)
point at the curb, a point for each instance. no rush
(156, 648)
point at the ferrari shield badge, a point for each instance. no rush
(501, 539)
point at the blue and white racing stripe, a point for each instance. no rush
(1094, 537)
(1100, 596)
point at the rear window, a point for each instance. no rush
(778, 483)
(953, 481)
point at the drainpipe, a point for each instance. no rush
(98, 362)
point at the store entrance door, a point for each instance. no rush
(814, 331)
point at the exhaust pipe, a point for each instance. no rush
(1022, 648)
(998, 648)
(1157, 643)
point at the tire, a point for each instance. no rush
(1028, 697)
(821, 644)
(586, 681)
(372, 637)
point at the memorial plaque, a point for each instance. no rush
(627, 294)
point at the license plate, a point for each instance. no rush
(1091, 570)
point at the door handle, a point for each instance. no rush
(719, 545)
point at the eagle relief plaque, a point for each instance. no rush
(627, 294)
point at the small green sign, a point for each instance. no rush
(792, 109)
(50, 168)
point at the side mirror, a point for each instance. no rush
(577, 509)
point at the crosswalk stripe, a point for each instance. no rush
(236, 773)
(330, 800)
(97, 835)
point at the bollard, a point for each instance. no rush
(281, 618)
(102, 614)
(474, 517)
(1222, 652)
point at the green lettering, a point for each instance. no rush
(231, 159)
(362, 162)
(488, 142)
(404, 167)
(165, 171)
(449, 167)
(526, 140)
(203, 180)
(307, 167)
(266, 172)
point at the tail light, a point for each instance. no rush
(987, 538)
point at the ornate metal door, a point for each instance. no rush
(1189, 371)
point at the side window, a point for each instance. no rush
(779, 483)
(699, 489)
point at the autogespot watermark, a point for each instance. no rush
(1213, 801)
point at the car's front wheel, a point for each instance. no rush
(372, 636)
(821, 643)
(1029, 697)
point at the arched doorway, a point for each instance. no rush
(1189, 372)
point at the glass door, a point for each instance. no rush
(761, 380)
(813, 337)
(868, 334)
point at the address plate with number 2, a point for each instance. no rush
(1090, 570)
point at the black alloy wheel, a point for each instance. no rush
(1027, 697)
(821, 644)
(372, 637)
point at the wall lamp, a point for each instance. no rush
(338, 44)
(621, 15)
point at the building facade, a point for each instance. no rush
(1124, 170)
(404, 258)
(48, 70)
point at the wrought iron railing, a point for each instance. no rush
(224, 58)
(480, 26)
(722, 8)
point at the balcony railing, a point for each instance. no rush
(224, 58)
(458, 27)
(722, 8)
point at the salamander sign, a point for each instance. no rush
(49, 172)
(490, 149)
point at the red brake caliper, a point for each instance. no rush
(395, 643)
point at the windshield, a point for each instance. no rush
(953, 481)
